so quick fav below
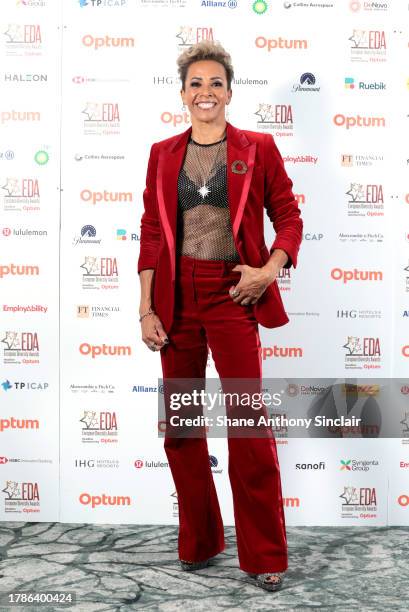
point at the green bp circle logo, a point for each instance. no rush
(260, 6)
(41, 157)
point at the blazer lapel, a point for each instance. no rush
(239, 149)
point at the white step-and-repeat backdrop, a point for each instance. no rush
(85, 88)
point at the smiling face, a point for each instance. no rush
(206, 93)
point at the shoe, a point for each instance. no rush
(268, 585)
(189, 566)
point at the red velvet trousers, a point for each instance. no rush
(206, 316)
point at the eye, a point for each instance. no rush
(194, 83)
(218, 83)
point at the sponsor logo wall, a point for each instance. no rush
(86, 87)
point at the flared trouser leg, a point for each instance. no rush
(206, 317)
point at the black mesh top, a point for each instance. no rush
(204, 227)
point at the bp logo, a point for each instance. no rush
(260, 7)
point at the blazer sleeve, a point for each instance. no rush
(150, 232)
(281, 205)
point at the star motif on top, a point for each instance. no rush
(204, 191)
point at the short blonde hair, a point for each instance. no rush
(205, 50)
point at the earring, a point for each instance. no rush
(183, 107)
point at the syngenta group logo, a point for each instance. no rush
(357, 465)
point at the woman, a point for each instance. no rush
(207, 281)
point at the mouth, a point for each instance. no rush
(206, 105)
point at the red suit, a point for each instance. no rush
(191, 298)
(265, 183)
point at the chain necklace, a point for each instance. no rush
(204, 189)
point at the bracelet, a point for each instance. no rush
(150, 311)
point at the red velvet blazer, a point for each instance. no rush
(263, 184)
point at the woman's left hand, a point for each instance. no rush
(253, 283)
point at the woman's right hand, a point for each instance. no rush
(153, 333)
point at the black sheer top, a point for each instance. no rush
(204, 228)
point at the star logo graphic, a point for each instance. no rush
(90, 265)
(358, 36)
(11, 186)
(353, 345)
(350, 495)
(12, 489)
(91, 111)
(11, 340)
(356, 191)
(204, 191)
(89, 419)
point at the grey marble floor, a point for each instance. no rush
(132, 567)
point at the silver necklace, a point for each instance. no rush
(204, 189)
